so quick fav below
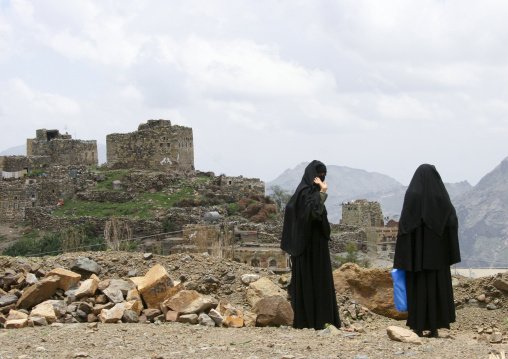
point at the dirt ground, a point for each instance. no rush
(177, 340)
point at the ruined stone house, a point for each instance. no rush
(368, 215)
(156, 145)
(62, 149)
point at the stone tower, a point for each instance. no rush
(156, 145)
(62, 149)
(362, 213)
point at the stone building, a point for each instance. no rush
(368, 215)
(156, 145)
(62, 149)
(239, 186)
(362, 213)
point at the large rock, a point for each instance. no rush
(86, 267)
(44, 310)
(262, 288)
(273, 311)
(8, 299)
(59, 306)
(403, 335)
(16, 323)
(188, 302)
(373, 288)
(501, 284)
(39, 292)
(88, 287)
(156, 286)
(112, 315)
(68, 279)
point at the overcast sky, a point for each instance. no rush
(377, 85)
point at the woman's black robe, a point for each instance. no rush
(305, 237)
(427, 245)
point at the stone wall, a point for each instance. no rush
(59, 183)
(106, 196)
(156, 145)
(41, 218)
(362, 213)
(339, 241)
(19, 163)
(238, 187)
(62, 149)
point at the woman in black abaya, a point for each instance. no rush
(427, 245)
(305, 237)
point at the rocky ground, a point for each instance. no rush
(469, 337)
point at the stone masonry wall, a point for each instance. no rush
(62, 149)
(157, 145)
(362, 213)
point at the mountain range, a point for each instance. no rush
(482, 210)
(346, 184)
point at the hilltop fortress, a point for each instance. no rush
(156, 145)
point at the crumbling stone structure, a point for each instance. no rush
(368, 215)
(238, 187)
(62, 149)
(362, 213)
(156, 145)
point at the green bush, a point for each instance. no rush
(352, 257)
(73, 239)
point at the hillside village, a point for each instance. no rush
(154, 198)
(147, 238)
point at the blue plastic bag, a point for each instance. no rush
(399, 289)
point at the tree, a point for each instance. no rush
(280, 196)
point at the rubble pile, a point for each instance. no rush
(32, 294)
(485, 292)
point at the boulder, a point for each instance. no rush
(88, 287)
(37, 321)
(44, 310)
(273, 311)
(501, 284)
(16, 314)
(31, 279)
(373, 288)
(59, 307)
(188, 318)
(130, 316)
(189, 301)
(403, 335)
(39, 292)
(16, 323)
(156, 286)
(135, 305)
(216, 317)
(205, 320)
(262, 288)
(112, 315)
(249, 278)
(7, 300)
(85, 266)
(68, 279)
(233, 322)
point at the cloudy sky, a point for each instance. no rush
(378, 85)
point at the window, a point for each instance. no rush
(254, 263)
(273, 263)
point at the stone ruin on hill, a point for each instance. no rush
(156, 145)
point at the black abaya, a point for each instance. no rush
(427, 245)
(305, 237)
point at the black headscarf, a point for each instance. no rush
(298, 218)
(427, 200)
(428, 226)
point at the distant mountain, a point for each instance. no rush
(391, 201)
(346, 184)
(343, 183)
(14, 151)
(21, 151)
(483, 220)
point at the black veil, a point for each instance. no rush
(298, 218)
(428, 226)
